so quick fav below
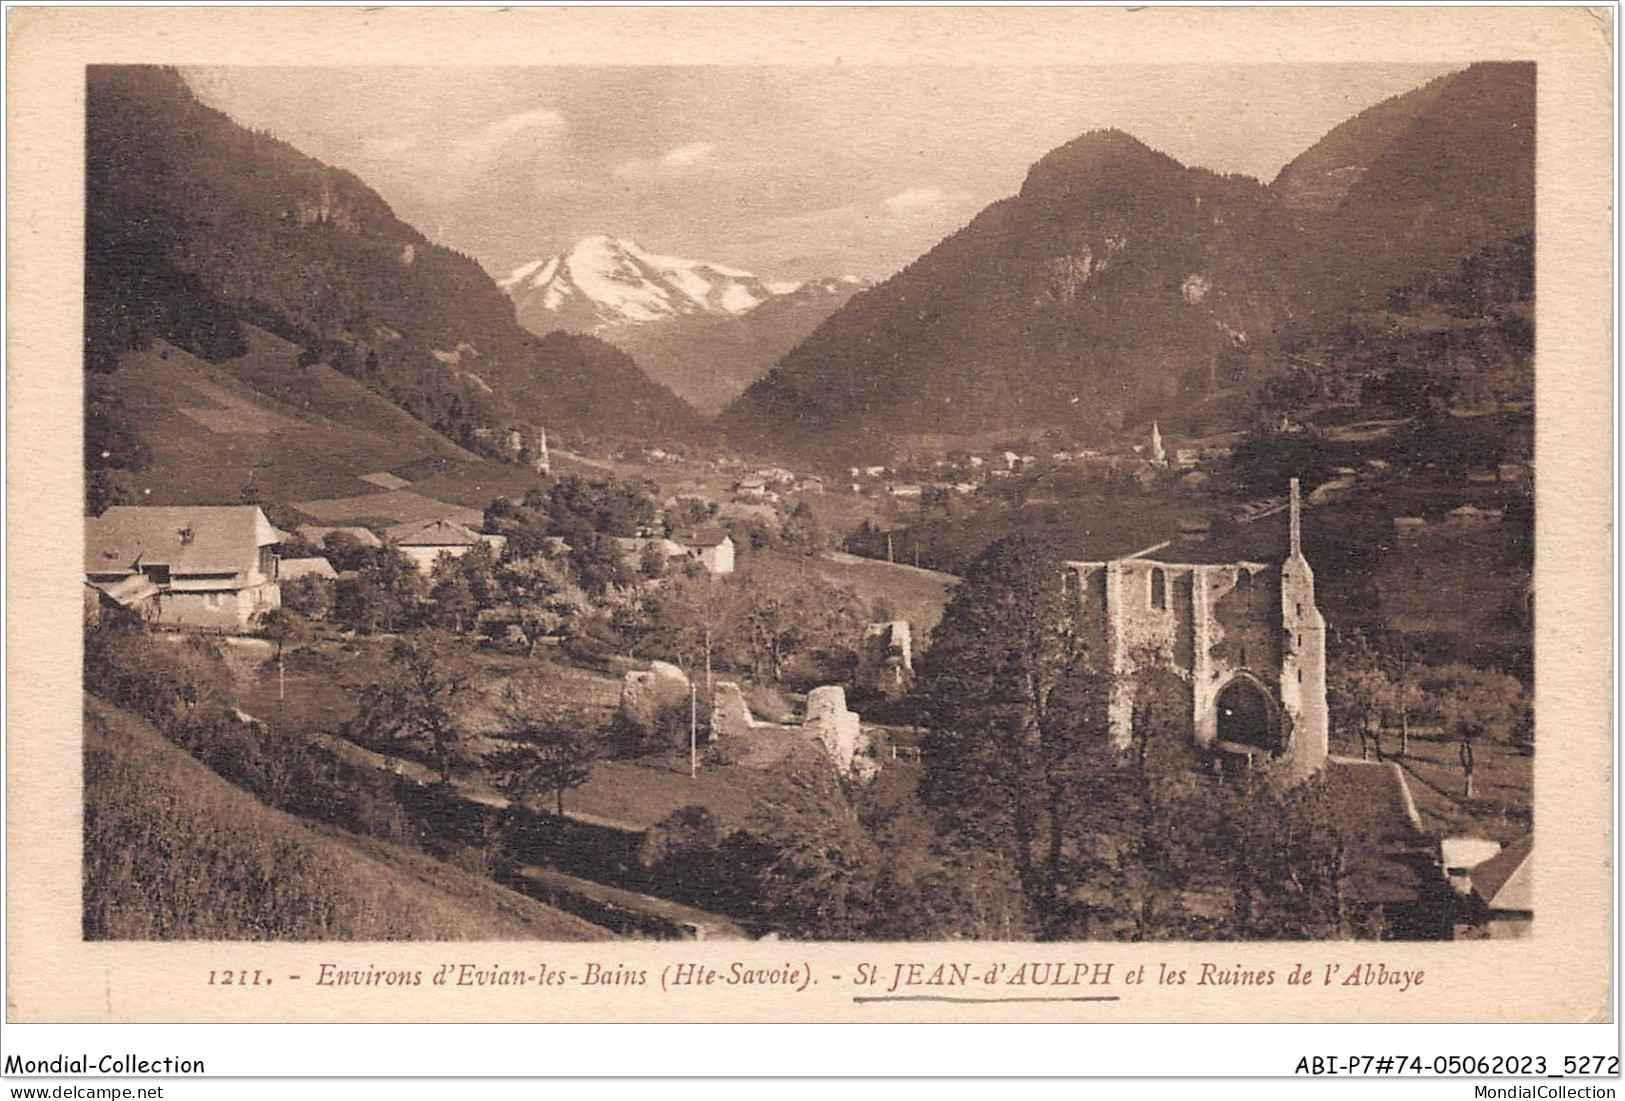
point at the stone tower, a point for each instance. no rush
(1158, 455)
(1303, 657)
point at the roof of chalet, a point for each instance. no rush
(127, 590)
(292, 569)
(1505, 881)
(318, 534)
(701, 537)
(1463, 854)
(634, 544)
(189, 539)
(433, 533)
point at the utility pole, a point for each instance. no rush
(708, 660)
(693, 734)
(889, 558)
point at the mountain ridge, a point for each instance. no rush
(1118, 285)
(196, 226)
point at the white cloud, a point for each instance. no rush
(674, 161)
(916, 201)
(686, 155)
(831, 215)
(538, 124)
(913, 202)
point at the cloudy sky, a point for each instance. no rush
(790, 172)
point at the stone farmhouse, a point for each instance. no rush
(187, 565)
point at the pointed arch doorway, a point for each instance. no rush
(1249, 717)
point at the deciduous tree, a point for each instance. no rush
(550, 749)
(1361, 694)
(774, 618)
(421, 701)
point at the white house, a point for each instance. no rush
(712, 547)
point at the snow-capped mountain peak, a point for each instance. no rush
(705, 330)
(608, 281)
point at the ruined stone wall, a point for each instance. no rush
(886, 657)
(838, 730)
(736, 733)
(1243, 635)
(1303, 668)
(1207, 622)
(1212, 624)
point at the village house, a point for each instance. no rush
(186, 565)
(635, 548)
(1460, 855)
(317, 536)
(711, 547)
(1471, 516)
(133, 596)
(1501, 902)
(426, 540)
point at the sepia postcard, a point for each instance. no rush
(809, 515)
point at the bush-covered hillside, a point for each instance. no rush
(174, 852)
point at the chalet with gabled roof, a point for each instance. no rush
(424, 541)
(712, 547)
(186, 565)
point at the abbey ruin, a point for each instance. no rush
(1245, 637)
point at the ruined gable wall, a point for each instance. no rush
(1208, 621)
(1244, 604)
(1086, 594)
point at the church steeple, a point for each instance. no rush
(1296, 547)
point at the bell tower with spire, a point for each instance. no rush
(1303, 650)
